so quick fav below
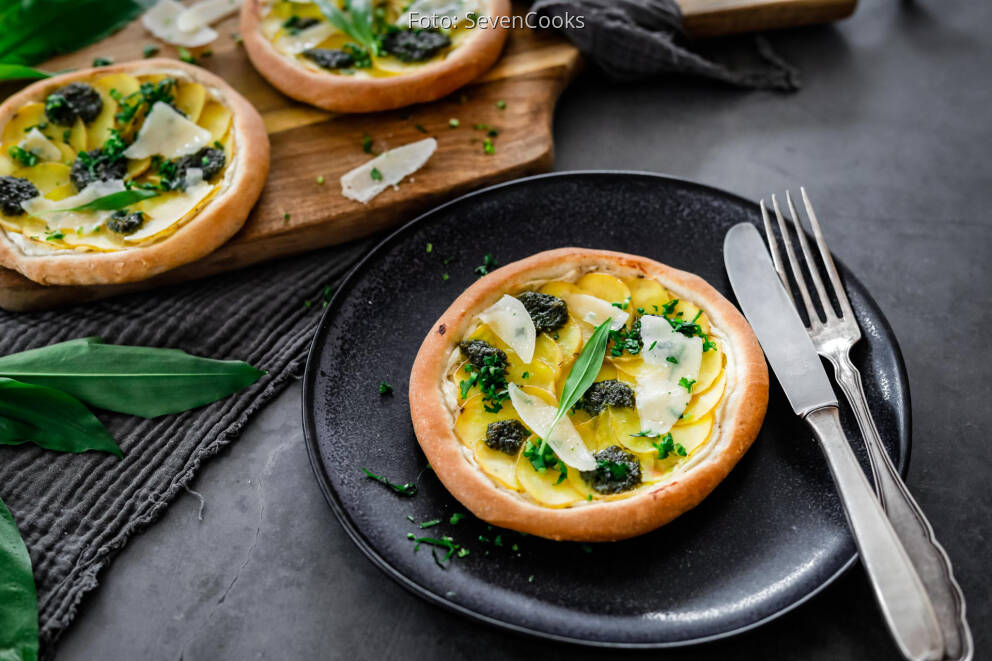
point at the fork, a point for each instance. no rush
(833, 335)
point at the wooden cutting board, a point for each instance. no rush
(297, 214)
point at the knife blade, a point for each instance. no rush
(904, 602)
(775, 321)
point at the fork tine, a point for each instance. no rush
(773, 249)
(814, 270)
(797, 273)
(828, 260)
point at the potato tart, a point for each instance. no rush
(679, 394)
(115, 174)
(372, 55)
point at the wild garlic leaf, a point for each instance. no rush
(584, 370)
(51, 419)
(142, 381)
(18, 599)
(21, 72)
(118, 200)
(356, 22)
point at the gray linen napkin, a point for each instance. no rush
(637, 39)
(76, 511)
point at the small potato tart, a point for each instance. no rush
(679, 395)
(376, 54)
(116, 174)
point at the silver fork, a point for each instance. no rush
(833, 335)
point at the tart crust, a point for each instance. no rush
(746, 399)
(341, 93)
(211, 227)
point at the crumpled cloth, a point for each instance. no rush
(639, 39)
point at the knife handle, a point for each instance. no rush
(898, 588)
(908, 520)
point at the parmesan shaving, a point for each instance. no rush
(36, 143)
(42, 207)
(162, 21)
(564, 439)
(204, 13)
(387, 169)
(510, 320)
(669, 357)
(168, 133)
(294, 44)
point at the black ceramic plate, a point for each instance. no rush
(769, 537)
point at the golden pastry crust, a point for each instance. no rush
(351, 94)
(744, 408)
(221, 217)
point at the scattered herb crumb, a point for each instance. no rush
(454, 123)
(375, 174)
(185, 55)
(151, 50)
(445, 543)
(385, 388)
(408, 489)
(456, 518)
(102, 61)
(488, 147)
(501, 105)
(430, 247)
(320, 180)
(488, 264)
(687, 383)
(411, 519)
(530, 579)
(586, 548)
(445, 276)
(286, 216)
(431, 523)
(367, 144)
(420, 127)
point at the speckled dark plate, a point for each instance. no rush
(769, 537)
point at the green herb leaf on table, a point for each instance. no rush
(18, 599)
(51, 419)
(142, 381)
(21, 72)
(408, 489)
(119, 200)
(32, 31)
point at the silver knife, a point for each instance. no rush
(898, 588)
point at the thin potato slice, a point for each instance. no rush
(22, 121)
(78, 138)
(99, 129)
(704, 402)
(215, 118)
(646, 294)
(694, 435)
(190, 99)
(569, 339)
(474, 419)
(606, 287)
(500, 466)
(46, 176)
(544, 487)
(709, 369)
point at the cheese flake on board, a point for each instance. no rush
(162, 21)
(387, 169)
(204, 13)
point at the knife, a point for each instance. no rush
(782, 335)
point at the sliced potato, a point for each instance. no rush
(709, 369)
(99, 129)
(78, 136)
(694, 435)
(215, 118)
(606, 287)
(7, 164)
(22, 121)
(704, 402)
(560, 289)
(545, 487)
(688, 311)
(539, 373)
(474, 419)
(646, 294)
(190, 99)
(137, 167)
(569, 339)
(119, 83)
(46, 176)
(61, 192)
(500, 466)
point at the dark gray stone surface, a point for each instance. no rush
(891, 136)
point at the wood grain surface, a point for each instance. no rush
(297, 214)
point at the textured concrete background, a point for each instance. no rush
(891, 134)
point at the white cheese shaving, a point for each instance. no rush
(392, 167)
(201, 14)
(426, 14)
(36, 143)
(48, 210)
(510, 320)
(161, 20)
(168, 133)
(595, 311)
(661, 397)
(563, 439)
(294, 44)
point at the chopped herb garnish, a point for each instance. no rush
(375, 174)
(445, 543)
(488, 147)
(431, 523)
(367, 144)
(456, 518)
(24, 157)
(542, 458)
(488, 264)
(652, 345)
(430, 247)
(501, 105)
(687, 383)
(673, 360)
(55, 236)
(151, 50)
(525, 375)
(667, 446)
(668, 308)
(624, 339)
(420, 127)
(185, 55)
(320, 180)
(385, 388)
(286, 216)
(102, 61)
(586, 548)
(646, 433)
(490, 376)
(454, 123)
(445, 276)
(408, 489)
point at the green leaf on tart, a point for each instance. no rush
(112, 202)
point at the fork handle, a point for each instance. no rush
(897, 586)
(909, 522)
